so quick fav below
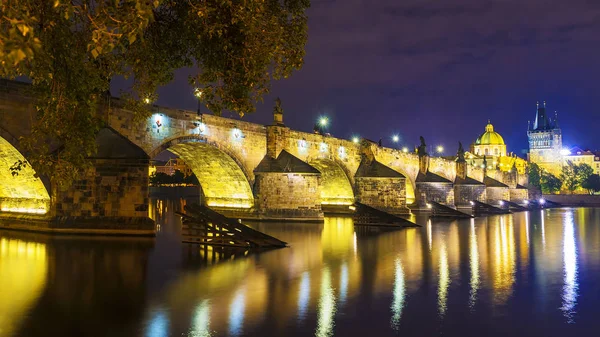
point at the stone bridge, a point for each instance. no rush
(244, 168)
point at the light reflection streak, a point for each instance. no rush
(429, 233)
(326, 309)
(304, 296)
(159, 326)
(527, 227)
(236, 312)
(571, 286)
(399, 295)
(344, 283)
(474, 263)
(201, 323)
(543, 230)
(444, 280)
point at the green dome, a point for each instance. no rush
(489, 137)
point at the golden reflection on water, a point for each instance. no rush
(474, 264)
(326, 310)
(23, 273)
(443, 279)
(504, 258)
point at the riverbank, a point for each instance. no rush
(574, 200)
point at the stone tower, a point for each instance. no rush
(545, 141)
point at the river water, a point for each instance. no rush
(527, 274)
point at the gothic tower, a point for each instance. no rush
(545, 141)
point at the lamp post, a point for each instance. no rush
(198, 94)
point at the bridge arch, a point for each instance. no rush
(22, 193)
(225, 182)
(336, 185)
(410, 172)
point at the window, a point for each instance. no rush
(487, 152)
(496, 151)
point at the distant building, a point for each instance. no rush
(490, 145)
(171, 166)
(578, 156)
(545, 141)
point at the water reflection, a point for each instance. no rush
(570, 287)
(201, 322)
(326, 306)
(474, 264)
(23, 274)
(334, 279)
(444, 280)
(399, 294)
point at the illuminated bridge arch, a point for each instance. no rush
(23, 193)
(336, 186)
(410, 172)
(223, 179)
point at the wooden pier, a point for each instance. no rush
(204, 226)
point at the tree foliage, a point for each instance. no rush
(550, 183)
(70, 50)
(534, 174)
(574, 176)
(592, 183)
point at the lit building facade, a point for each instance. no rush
(490, 145)
(545, 141)
(578, 156)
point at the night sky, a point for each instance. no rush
(439, 69)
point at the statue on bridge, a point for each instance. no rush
(460, 154)
(278, 112)
(422, 149)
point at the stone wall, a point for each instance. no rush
(494, 194)
(442, 193)
(288, 195)
(519, 194)
(463, 194)
(386, 194)
(111, 188)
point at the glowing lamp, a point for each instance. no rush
(323, 122)
(440, 149)
(405, 149)
(472, 203)
(565, 152)
(429, 206)
(395, 138)
(526, 202)
(147, 100)
(355, 140)
(198, 93)
(542, 201)
(501, 203)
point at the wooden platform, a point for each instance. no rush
(368, 216)
(204, 226)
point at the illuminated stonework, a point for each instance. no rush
(223, 181)
(23, 193)
(335, 185)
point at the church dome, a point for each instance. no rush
(489, 137)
